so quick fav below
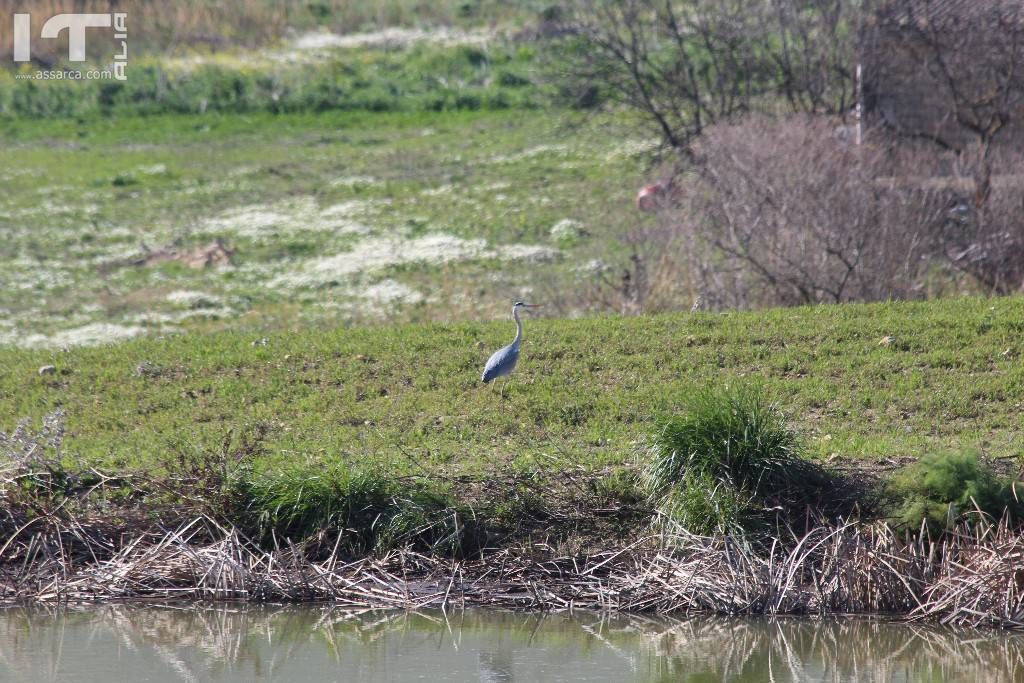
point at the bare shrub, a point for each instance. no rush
(770, 212)
(781, 212)
(983, 233)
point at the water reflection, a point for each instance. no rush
(115, 643)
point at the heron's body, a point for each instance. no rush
(503, 361)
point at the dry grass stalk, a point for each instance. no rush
(970, 579)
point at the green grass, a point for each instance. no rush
(407, 399)
(944, 488)
(420, 188)
(372, 510)
(422, 77)
(86, 197)
(709, 467)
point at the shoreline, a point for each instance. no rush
(851, 569)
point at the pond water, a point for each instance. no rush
(129, 643)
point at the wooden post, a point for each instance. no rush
(859, 109)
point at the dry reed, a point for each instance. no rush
(967, 578)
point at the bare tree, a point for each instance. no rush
(686, 65)
(950, 74)
(949, 71)
(782, 212)
(680, 65)
(769, 205)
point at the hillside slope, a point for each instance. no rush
(859, 381)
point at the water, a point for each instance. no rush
(125, 643)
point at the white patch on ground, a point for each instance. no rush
(529, 153)
(52, 208)
(11, 173)
(438, 191)
(353, 181)
(154, 169)
(376, 253)
(533, 253)
(215, 187)
(115, 254)
(378, 299)
(318, 46)
(566, 229)
(353, 208)
(390, 38)
(189, 299)
(120, 231)
(26, 275)
(632, 148)
(390, 292)
(60, 190)
(592, 267)
(92, 334)
(289, 216)
(163, 319)
(154, 318)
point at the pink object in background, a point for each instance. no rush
(650, 196)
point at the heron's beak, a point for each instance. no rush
(534, 305)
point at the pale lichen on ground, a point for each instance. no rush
(311, 223)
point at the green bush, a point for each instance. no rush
(942, 489)
(707, 468)
(372, 512)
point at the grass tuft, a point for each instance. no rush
(706, 467)
(944, 489)
(370, 511)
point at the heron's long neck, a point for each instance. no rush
(519, 327)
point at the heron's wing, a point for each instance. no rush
(499, 357)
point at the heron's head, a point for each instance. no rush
(523, 304)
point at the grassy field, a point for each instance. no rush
(408, 398)
(467, 72)
(331, 218)
(281, 261)
(307, 182)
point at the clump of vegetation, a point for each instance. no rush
(942, 489)
(370, 511)
(420, 78)
(710, 467)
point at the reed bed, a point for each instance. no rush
(969, 577)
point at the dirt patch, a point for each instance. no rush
(211, 255)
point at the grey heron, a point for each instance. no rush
(503, 361)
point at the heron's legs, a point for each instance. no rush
(504, 384)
